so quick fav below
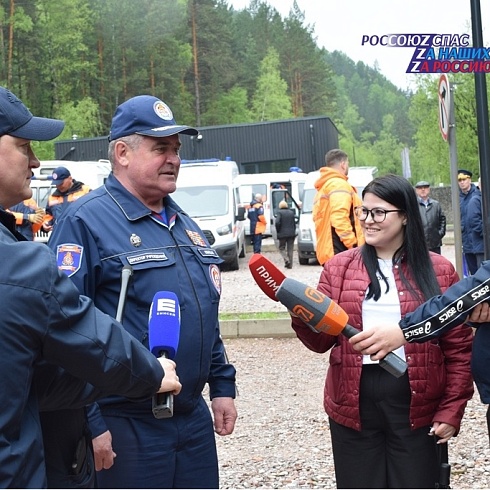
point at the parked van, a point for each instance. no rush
(207, 190)
(90, 173)
(275, 187)
(359, 177)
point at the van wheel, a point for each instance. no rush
(233, 265)
(303, 261)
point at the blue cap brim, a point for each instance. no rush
(39, 129)
(169, 131)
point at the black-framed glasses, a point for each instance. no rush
(378, 214)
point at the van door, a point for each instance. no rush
(278, 195)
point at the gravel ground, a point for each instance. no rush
(281, 438)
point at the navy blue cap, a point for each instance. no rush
(147, 115)
(59, 175)
(16, 120)
(464, 174)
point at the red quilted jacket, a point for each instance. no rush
(438, 370)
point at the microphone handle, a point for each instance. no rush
(162, 404)
(391, 362)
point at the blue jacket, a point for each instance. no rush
(45, 318)
(474, 220)
(441, 313)
(109, 228)
(464, 200)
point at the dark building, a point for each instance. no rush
(272, 146)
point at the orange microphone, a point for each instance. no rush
(311, 306)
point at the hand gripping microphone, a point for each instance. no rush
(315, 309)
(163, 335)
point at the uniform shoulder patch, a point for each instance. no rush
(215, 275)
(69, 258)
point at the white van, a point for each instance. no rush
(275, 187)
(207, 190)
(359, 177)
(90, 173)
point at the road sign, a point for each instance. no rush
(444, 102)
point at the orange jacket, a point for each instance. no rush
(336, 225)
(261, 221)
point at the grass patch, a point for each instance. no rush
(253, 316)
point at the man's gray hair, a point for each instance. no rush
(133, 141)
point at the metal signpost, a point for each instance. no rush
(447, 127)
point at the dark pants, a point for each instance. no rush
(471, 262)
(286, 248)
(68, 449)
(386, 453)
(257, 242)
(178, 452)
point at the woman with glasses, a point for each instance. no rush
(384, 429)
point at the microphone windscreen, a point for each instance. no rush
(267, 276)
(164, 324)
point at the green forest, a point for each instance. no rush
(213, 65)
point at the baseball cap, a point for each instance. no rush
(16, 120)
(422, 183)
(147, 115)
(464, 174)
(59, 175)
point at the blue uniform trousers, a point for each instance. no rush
(178, 452)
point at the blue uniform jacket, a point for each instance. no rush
(443, 312)
(464, 200)
(475, 222)
(46, 319)
(109, 228)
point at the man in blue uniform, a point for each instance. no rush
(132, 220)
(47, 325)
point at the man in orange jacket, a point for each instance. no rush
(258, 222)
(337, 228)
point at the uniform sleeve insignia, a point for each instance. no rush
(69, 258)
(215, 275)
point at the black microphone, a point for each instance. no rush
(163, 337)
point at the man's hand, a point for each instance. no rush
(480, 313)
(225, 414)
(103, 453)
(379, 341)
(37, 217)
(170, 381)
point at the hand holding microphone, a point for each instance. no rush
(170, 382)
(163, 336)
(315, 309)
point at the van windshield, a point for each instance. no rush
(203, 202)
(248, 191)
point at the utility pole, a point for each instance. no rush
(482, 125)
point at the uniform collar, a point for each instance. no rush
(132, 207)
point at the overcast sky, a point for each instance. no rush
(340, 25)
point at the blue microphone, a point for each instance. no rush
(163, 335)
